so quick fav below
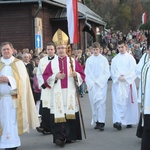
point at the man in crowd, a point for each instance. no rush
(97, 74)
(59, 76)
(29, 67)
(124, 94)
(45, 94)
(137, 52)
(17, 108)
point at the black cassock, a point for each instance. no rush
(145, 145)
(30, 68)
(69, 130)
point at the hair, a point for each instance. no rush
(122, 42)
(42, 55)
(90, 47)
(19, 57)
(50, 44)
(36, 58)
(43, 50)
(96, 45)
(25, 54)
(5, 43)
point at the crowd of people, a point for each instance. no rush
(52, 82)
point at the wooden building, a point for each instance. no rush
(32, 23)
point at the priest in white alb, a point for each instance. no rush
(124, 93)
(97, 74)
(17, 107)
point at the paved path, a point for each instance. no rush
(109, 139)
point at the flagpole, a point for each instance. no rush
(76, 87)
(72, 18)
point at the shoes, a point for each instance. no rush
(81, 95)
(39, 129)
(60, 143)
(101, 126)
(96, 126)
(68, 141)
(14, 148)
(129, 126)
(42, 130)
(46, 132)
(117, 125)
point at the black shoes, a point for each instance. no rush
(39, 129)
(60, 143)
(14, 148)
(68, 141)
(96, 126)
(81, 95)
(99, 126)
(129, 126)
(42, 130)
(117, 125)
(46, 132)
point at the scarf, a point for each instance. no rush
(60, 112)
(143, 83)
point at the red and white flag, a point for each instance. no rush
(72, 18)
(144, 18)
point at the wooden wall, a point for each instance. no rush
(15, 25)
(46, 13)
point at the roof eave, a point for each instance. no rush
(95, 20)
(99, 22)
(32, 1)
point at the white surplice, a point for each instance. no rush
(8, 117)
(124, 94)
(45, 93)
(97, 74)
